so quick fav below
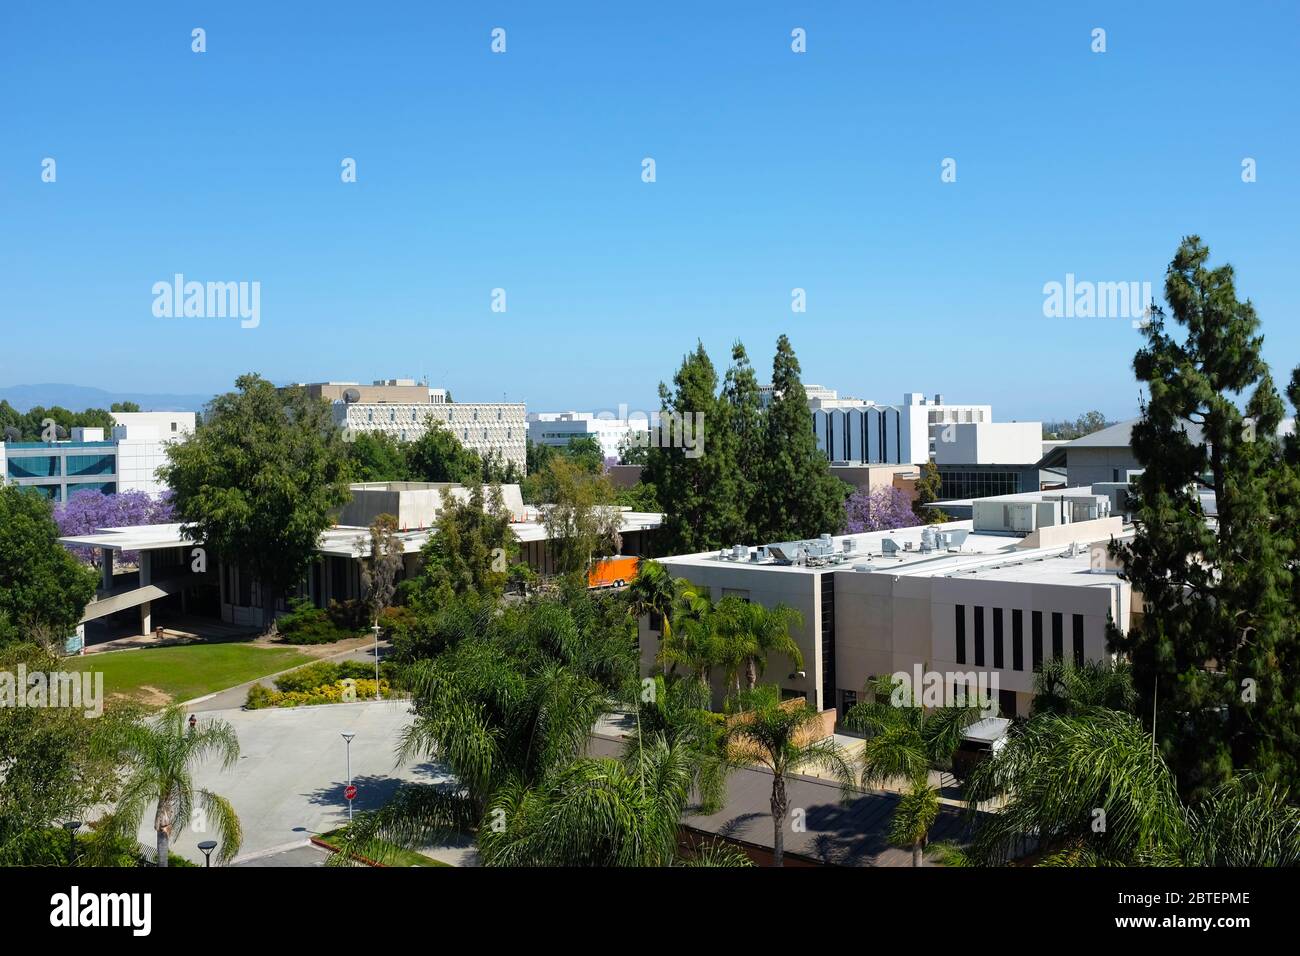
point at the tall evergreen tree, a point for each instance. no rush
(800, 498)
(1215, 652)
(699, 490)
(745, 412)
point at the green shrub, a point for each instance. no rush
(322, 683)
(307, 624)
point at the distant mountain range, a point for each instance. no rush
(79, 397)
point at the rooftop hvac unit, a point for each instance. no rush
(849, 545)
(888, 546)
(928, 538)
(865, 568)
(957, 537)
(739, 552)
(760, 554)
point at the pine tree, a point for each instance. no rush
(1215, 651)
(740, 391)
(799, 497)
(698, 490)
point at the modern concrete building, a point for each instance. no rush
(128, 460)
(557, 429)
(170, 567)
(980, 601)
(404, 409)
(854, 431)
(976, 456)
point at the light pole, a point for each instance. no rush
(72, 826)
(207, 846)
(376, 630)
(348, 735)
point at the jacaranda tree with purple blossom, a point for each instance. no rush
(882, 509)
(87, 511)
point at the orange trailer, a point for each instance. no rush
(612, 572)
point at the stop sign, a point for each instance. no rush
(350, 792)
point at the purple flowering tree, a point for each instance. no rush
(87, 511)
(880, 510)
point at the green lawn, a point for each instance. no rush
(183, 672)
(398, 856)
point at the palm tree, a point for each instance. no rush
(1063, 687)
(778, 735)
(653, 591)
(677, 712)
(159, 756)
(905, 743)
(1091, 789)
(752, 632)
(507, 709)
(594, 812)
(695, 641)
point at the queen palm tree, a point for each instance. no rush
(159, 756)
(904, 743)
(779, 735)
(653, 591)
(1090, 789)
(1063, 687)
(750, 633)
(677, 712)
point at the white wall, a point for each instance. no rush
(989, 443)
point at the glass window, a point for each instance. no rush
(91, 464)
(1058, 635)
(1036, 637)
(1077, 622)
(997, 637)
(979, 636)
(1017, 639)
(33, 466)
(961, 633)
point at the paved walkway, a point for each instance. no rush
(289, 780)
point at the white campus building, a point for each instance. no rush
(613, 432)
(978, 601)
(404, 409)
(126, 460)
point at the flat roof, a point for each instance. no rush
(989, 556)
(340, 540)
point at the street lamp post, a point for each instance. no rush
(207, 846)
(347, 736)
(376, 630)
(72, 826)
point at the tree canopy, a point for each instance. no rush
(260, 481)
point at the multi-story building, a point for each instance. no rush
(986, 600)
(405, 409)
(558, 428)
(975, 455)
(126, 461)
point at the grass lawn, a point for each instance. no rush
(398, 856)
(186, 671)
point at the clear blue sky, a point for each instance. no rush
(522, 171)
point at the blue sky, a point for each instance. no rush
(523, 171)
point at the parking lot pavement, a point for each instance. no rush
(288, 782)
